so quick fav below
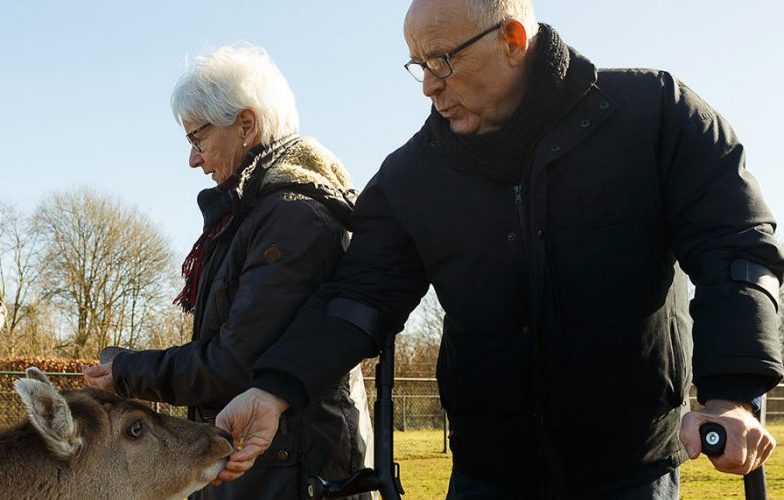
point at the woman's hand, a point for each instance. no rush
(99, 376)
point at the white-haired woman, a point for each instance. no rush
(274, 228)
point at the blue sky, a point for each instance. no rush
(84, 86)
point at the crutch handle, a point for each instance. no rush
(713, 438)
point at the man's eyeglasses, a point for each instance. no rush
(439, 65)
(193, 141)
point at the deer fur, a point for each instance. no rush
(90, 444)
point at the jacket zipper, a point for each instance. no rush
(531, 274)
(518, 201)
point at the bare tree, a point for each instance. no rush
(417, 346)
(36, 332)
(104, 265)
(427, 320)
(173, 327)
(18, 253)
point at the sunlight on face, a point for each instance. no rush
(222, 150)
(479, 95)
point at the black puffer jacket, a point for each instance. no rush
(286, 237)
(567, 346)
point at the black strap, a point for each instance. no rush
(358, 314)
(758, 275)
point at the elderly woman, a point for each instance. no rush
(274, 228)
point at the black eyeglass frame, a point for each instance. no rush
(445, 57)
(191, 137)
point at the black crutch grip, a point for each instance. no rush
(713, 438)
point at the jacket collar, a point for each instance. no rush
(292, 162)
(560, 78)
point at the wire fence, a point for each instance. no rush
(416, 401)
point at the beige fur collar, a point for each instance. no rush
(303, 161)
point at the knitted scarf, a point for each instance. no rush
(503, 155)
(192, 267)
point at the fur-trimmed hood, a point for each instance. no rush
(303, 165)
(301, 161)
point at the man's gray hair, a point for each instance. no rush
(217, 86)
(488, 12)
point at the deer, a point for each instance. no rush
(86, 443)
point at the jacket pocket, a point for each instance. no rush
(283, 451)
(222, 296)
(678, 375)
(604, 203)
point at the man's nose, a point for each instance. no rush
(431, 84)
(195, 158)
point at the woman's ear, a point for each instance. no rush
(249, 127)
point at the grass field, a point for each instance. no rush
(424, 470)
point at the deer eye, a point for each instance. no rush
(136, 430)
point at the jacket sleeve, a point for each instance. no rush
(381, 272)
(289, 251)
(716, 215)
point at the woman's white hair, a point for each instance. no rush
(488, 12)
(217, 86)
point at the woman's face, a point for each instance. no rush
(222, 150)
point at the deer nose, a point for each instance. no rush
(226, 435)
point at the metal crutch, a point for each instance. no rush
(385, 476)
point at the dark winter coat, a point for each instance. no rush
(286, 237)
(567, 347)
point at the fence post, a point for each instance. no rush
(404, 412)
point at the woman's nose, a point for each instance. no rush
(195, 158)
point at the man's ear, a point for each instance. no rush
(516, 38)
(49, 413)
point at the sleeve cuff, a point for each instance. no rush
(118, 379)
(283, 386)
(744, 388)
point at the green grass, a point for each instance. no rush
(424, 470)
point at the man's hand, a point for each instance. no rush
(253, 416)
(748, 443)
(99, 376)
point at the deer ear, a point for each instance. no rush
(49, 413)
(34, 373)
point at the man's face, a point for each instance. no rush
(484, 88)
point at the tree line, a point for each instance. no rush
(81, 272)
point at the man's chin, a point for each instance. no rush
(462, 126)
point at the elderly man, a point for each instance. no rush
(552, 206)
